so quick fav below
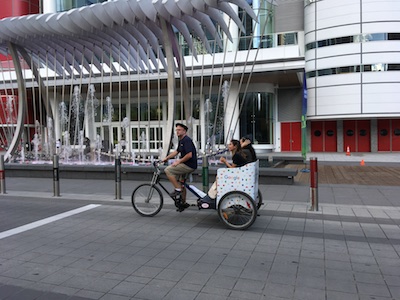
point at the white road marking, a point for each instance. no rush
(45, 221)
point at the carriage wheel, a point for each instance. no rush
(237, 210)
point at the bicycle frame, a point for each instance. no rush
(157, 180)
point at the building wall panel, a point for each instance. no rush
(338, 31)
(381, 98)
(379, 27)
(386, 10)
(337, 13)
(383, 77)
(289, 16)
(309, 22)
(339, 80)
(339, 52)
(338, 61)
(336, 100)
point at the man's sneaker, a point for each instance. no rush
(175, 193)
(182, 206)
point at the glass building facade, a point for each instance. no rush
(63, 5)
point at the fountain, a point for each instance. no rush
(98, 147)
(66, 149)
(159, 153)
(107, 118)
(63, 116)
(80, 149)
(76, 115)
(133, 154)
(36, 143)
(143, 147)
(10, 115)
(125, 125)
(90, 112)
(50, 138)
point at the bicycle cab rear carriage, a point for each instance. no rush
(237, 193)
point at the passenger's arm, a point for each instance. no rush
(223, 160)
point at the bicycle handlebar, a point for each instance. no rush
(215, 153)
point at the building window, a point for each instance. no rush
(330, 133)
(359, 38)
(256, 117)
(63, 5)
(257, 34)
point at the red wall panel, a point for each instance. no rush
(396, 135)
(15, 8)
(330, 134)
(317, 136)
(291, 136)
(384, 135)
(349, 135)
(364, 136)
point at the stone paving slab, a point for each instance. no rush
(349, 249)
(289, 253)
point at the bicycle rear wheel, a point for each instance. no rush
(147, 200)
(237, 210)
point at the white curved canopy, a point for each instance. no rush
(127, 30)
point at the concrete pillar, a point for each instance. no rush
(374, 135)
(49, 6)
(339, 129)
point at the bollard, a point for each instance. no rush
(117, 177)
(314, 184)
(2, 176)
(205, 174)
(56, 176)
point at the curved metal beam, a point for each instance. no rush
(21, 102)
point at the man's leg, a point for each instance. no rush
(175, 172)
(173, 180)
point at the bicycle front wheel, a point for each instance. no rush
(237, 210)
(147, 200)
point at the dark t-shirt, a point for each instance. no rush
(250, 153)
(239, 160)
(186, 146)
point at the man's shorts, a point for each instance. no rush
(180, 171)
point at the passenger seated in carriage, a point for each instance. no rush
(238, 160)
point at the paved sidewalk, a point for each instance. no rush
(349, 249)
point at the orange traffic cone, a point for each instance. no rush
(348, 151)
(362, 163)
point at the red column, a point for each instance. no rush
(314, 183)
